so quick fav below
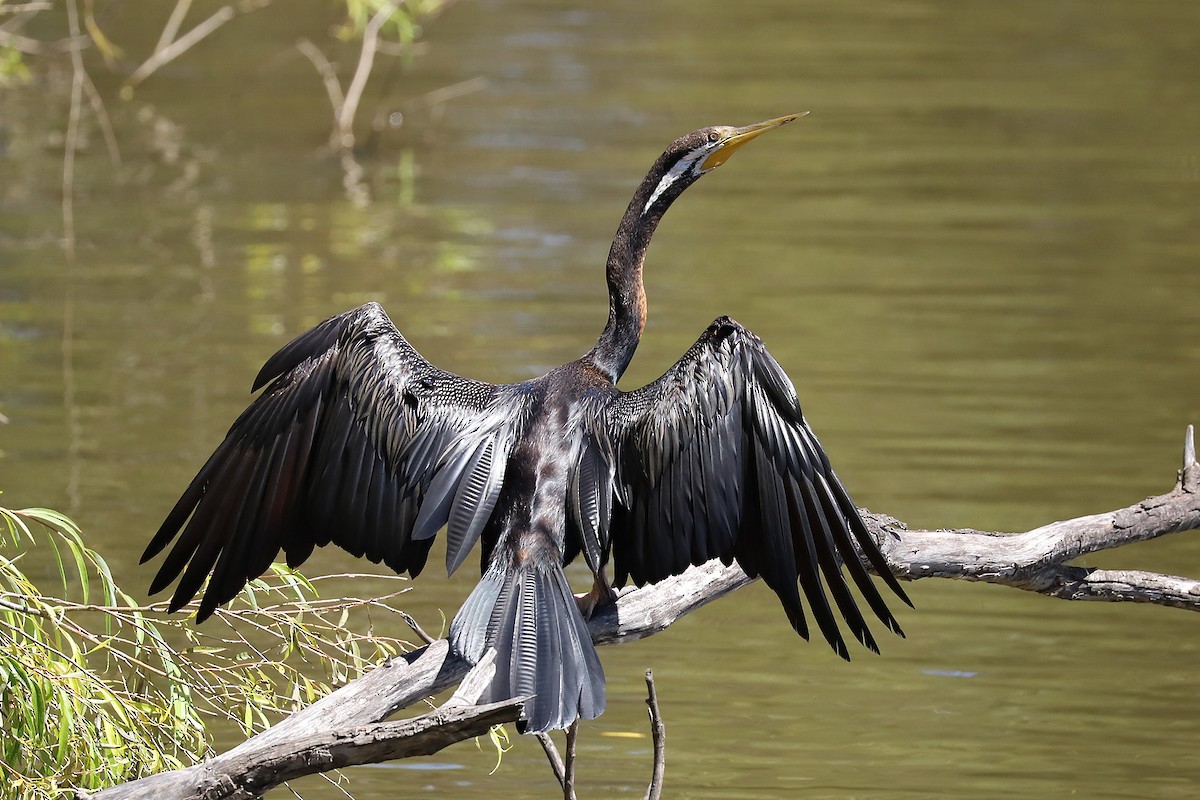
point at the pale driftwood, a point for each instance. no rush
(340, 730)
(1036, 560)
(345, 727)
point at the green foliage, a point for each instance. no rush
(12, 62)
(404, 23)
(12, 67)
(97, 690)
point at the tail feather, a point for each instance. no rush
(469, 630)
(542, 643)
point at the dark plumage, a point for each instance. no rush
(359, 441)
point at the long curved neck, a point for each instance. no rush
(626, 291)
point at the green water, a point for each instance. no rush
(978, 257)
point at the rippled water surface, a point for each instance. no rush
(978, 257)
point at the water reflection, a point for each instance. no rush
(977, 258)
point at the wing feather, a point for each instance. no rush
(352, 432)
(810, 510)
(232, 558)
(716, 460)
(590, 499)
(475, 500)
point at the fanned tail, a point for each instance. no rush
(543, 648)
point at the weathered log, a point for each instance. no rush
(346, 727)
(1037, 560)
(341, 730)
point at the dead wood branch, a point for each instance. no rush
(169, 48)
(366, 60)
(25, 8)
(564, 771)
(306, 743)
(345, 103)
(569, 774)
(345, 727)
(658, 733)
(556, 763)
(328, 76)
(1037, 560)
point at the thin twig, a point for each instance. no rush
(21, 608)
(564, 769)
(451, 92)
(659, 733)
(556, 762)
(72, 137)
(327, 72)
(417, 629)
(569, 778)
(366, 58)
(171, 29)
(180, 46)
(25, 8)
(106, 128)
(23, 44)
(35, 47)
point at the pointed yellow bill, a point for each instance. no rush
(739, 136)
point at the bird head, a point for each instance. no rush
(698, 152)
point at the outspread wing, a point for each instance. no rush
(715, 460)
(359, 441)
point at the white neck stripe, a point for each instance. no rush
(676, 172)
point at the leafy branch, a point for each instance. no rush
(96, 689)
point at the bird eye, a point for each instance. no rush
(713, 136)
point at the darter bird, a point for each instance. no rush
(360, 442)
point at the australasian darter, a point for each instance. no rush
(361, 442)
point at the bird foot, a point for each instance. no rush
(600, 594)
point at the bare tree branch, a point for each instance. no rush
(416, 628)
(171, 29)
(78, 75)
(658, 733)
(455, 90)
(24, 44)
(345, 104)
(25, 8)
(263, 762)
(165, 54)
(1034, 561)
(569, 771)
(110, 138)
(556, 763)
(327, 72)
(252, 774)
(366, 59)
